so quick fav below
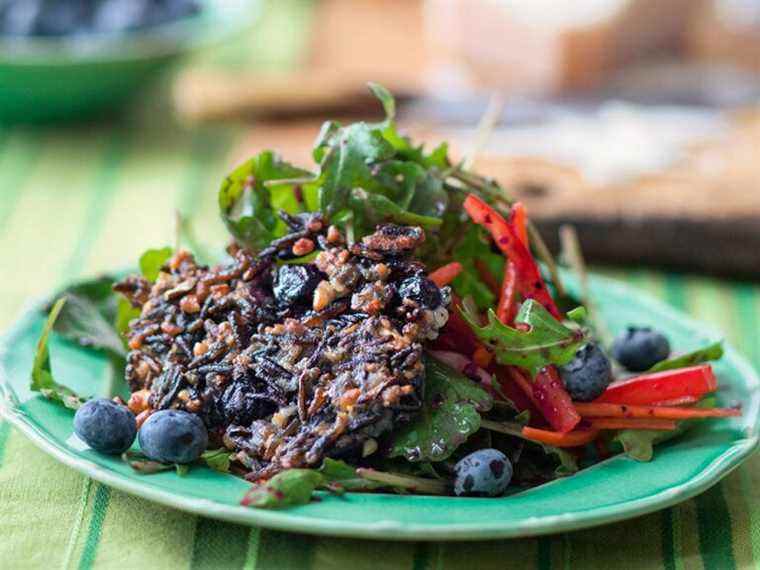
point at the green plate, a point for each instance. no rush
(53, 79)
(615, 489)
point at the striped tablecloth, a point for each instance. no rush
(77, 201)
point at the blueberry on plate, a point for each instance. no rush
(588, 374)
(640, 348)
(105, 426)
(173, 436)
(483, 473)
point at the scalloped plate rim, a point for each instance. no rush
(537, 525)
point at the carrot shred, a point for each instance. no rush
(557, 439)
(482, 356)
(446, 274)
(592, 410)
(632, 423)
(507, 307)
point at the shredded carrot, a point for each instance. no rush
(570, 439)
(519, 217)
(446, 274)
(482, 356)
(507, 307)
(633, 423)
(592, 410)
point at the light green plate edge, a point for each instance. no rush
(612, 490)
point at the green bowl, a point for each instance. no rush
(61, 79)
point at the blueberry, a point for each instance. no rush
(105, 426)
(640, 348)
(588, 374)
(421, 290)
(173, 436)
(483, 473)
(295, 284)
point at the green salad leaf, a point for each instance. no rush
(81, 321)
(42, 373)
(286, 489)
(152, 260)
(246, 198)
(706, 354)
(547, 341)
(450, 414)
(217, 459)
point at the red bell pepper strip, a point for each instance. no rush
(518, 217)
(529, 281)
(446, 274)
(693, 381)
(556, 439)
(596, 410)
(506, 310)
(553, 401)
(633, 423)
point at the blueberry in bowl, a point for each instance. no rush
(74, 59)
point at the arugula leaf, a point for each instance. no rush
(546, 342)
(346, 164)
(449, 415)
(144, 465)
(217, 459)
(288, 488)
(339, 476)
(245, 201)
(81, 321)
(706, 354)
(539, 463)
(639, 444)
(152, 260)
(42, 373)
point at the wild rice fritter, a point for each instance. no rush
(287, 363)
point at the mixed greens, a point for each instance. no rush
(516, 375)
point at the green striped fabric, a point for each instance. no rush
(75, 202)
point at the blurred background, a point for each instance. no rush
(635, 120)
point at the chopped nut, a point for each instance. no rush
(323, 296)
(333, 235)
(189, 304)
(170, 329)
(302, 247)
(200, 348)
(138, 401)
